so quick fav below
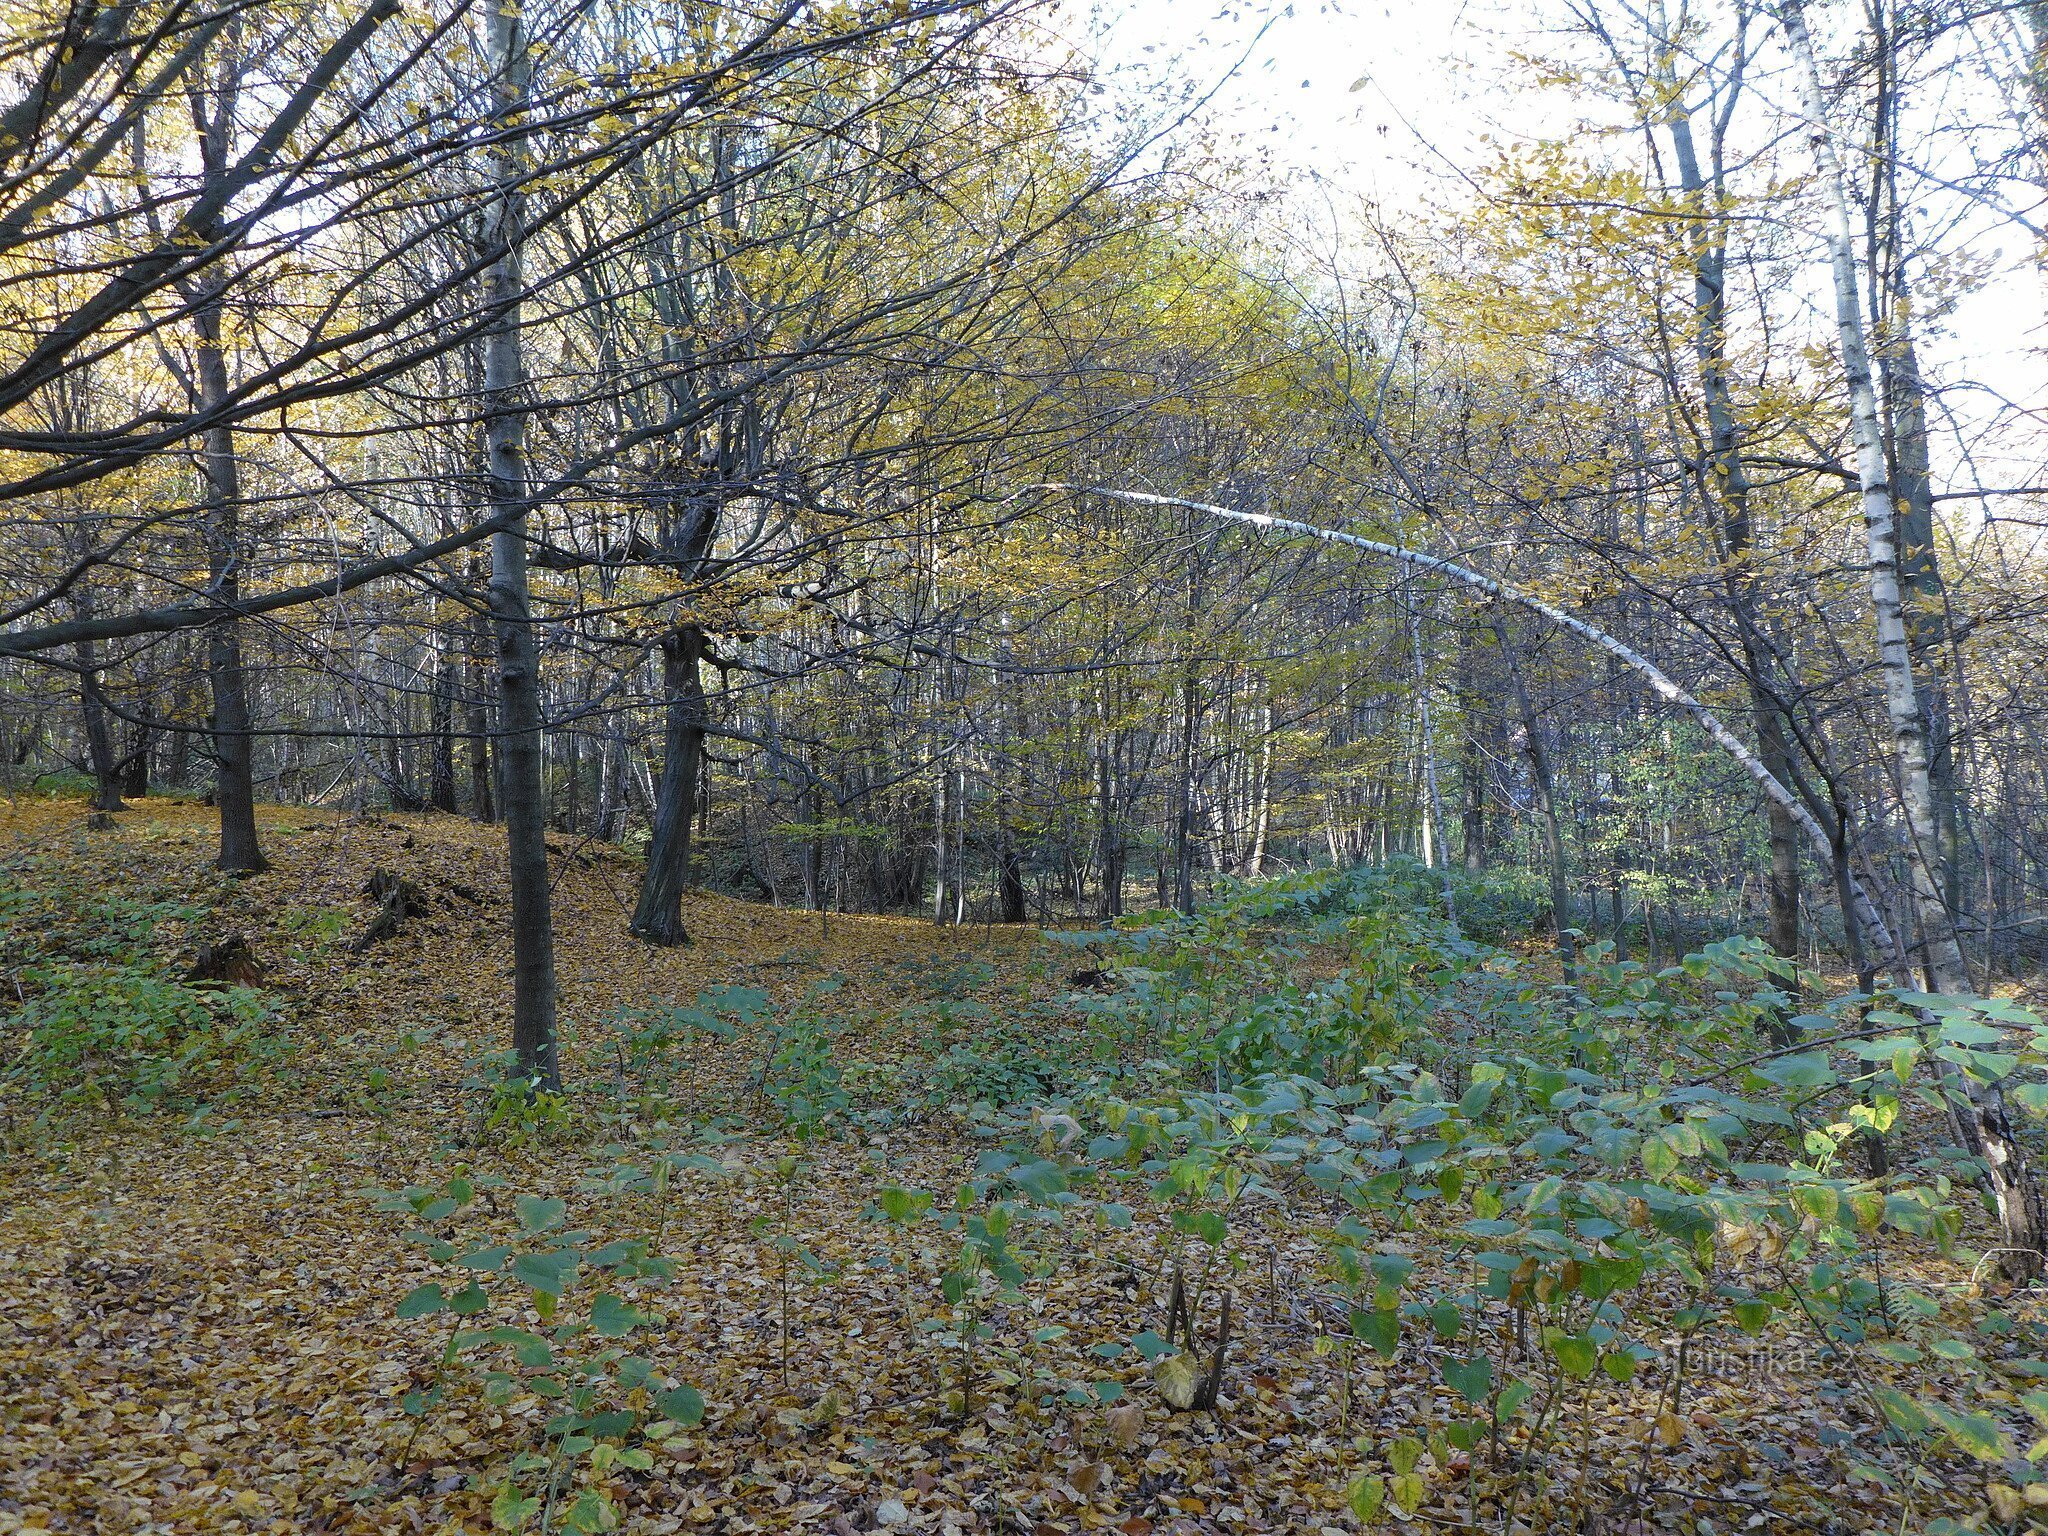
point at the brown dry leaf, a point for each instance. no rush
(1126, 1424)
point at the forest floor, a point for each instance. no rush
(199, 1329)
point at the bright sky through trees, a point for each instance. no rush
(1403, 102)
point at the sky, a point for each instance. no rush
(1394, 99)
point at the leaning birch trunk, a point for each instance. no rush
(1982, 1120)
(520, 790)
(1662, 685)
(1426, 724)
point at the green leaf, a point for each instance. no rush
(547, 1273)
(1367, 1496)
(613, 1318)
(1660, 1158)
(1969, 1032)
(1470, 1379)
(1977, 1433)
(1619, 1364)
(1576, 1354)
(1209, 1226)
(2032, 1097)
(1905, 1414)
(1819, 1201)
(1392, 1268)
(903, 1206)
(529, 1349)
(1752, 1316)
(1380, 1327)
(1511, 1398)
(1150, 1345)
(1811, 1070)
(591, 1512)
(685, 1405)
(510, 1512)
(1408, 1492)
(537, 1214)
(423, 1302)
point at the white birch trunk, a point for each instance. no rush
(1981, 1117)
(1433, 829)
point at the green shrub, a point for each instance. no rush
(1619, 1169)
(101, 1020)
(130, 1038)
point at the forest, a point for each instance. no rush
(870, 766)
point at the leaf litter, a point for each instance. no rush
(199, 1328)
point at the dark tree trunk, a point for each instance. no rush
(1010, 877)
(441, 777)
(135, 766)
(234, 773)
(241, 852)
(523, 794)
(483, 796)
(99, 738)
(658, 917)
(1546, 801)
(1472, 777)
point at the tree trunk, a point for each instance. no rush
(522, 793)
(940, 869)
(135, 766)
(1979, 1110)
(1546, 802)
(1728, 483)
(1010, 876)
(1425, 725)
(1183, 895)
(234, 772)
(1262, 796)
(1471, 761)
(483, 778)
(99, 739)
(658, 918)
(441, 776)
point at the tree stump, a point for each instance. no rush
(397, 899)
(230, 962)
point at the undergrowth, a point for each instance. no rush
(100, 1019)
(1553, 1199)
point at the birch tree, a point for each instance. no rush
(1978, 1109)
